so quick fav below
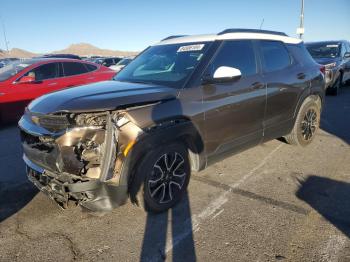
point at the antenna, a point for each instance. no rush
(262, 22)
(4, 31)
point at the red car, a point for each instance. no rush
(23, 81)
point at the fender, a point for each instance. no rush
(180, 130)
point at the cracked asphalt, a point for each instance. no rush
(274, 202)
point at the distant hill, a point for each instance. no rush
(82, 49)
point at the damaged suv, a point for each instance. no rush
(181, 105)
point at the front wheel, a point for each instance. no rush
(306, 124)
(162, 178)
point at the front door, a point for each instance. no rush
(234, 111)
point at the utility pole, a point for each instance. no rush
(301, 29)
(4, 31)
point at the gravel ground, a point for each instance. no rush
(274, 202)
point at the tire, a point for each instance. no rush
(161, 179)
(306, 124)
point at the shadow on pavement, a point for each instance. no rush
(15, 190)
(336, 115)
(155, 248)
(328, 197)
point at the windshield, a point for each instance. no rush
(324, 50)
(169, 65)
(12, 69)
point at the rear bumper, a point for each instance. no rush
(94, 195)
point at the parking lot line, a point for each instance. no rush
(215, 205)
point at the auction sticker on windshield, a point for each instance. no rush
(188, 48)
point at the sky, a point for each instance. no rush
(47, 25)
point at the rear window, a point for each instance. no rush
(275, 56)
(73, 68)
(324, 50)
(90, 67)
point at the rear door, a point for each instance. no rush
(285, 80)
(234, 111)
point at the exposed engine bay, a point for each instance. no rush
(77, 150)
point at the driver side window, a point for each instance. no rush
(43, 72)
(237, 54)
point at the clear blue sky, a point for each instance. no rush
(47, 25)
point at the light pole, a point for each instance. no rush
(301, 29)
(4, 31)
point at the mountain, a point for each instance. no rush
(16, 52)
(81, 49)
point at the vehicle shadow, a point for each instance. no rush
(15, 190)
(335, 118)
(155, 246)
(157, 243)
(328, 197)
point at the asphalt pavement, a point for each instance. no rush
(274, 202)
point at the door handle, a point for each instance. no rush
(301, 76)
(258, 85)
(1, 94)
(52, 84)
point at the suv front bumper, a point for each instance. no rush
(93, 195)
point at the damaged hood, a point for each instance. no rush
(102, 96)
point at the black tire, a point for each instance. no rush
(306, 124)
(161, 179)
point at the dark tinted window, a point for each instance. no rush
(73, 68)
(274, 55)
(237, 54)
(46, 71)
(90, 67)
(324, 49)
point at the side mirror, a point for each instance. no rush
(224, 74)
(27, 79)
(347, 55)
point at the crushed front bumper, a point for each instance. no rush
(93, 195)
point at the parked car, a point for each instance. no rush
(335, 55)
(121, 64)
(107, 61)
(22, 81)
(181, 105)
(71, 56)
(6, 61)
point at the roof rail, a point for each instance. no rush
(259, 31)
(172, 36)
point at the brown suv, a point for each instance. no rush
(179, 106)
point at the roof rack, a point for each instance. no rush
(172, 36)
(238, 30)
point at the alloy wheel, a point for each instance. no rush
(309, 124)
(167, 178)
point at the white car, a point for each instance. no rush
(122, 63)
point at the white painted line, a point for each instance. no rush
(213, 206)
(218, 213)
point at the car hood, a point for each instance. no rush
(326, 61)
(102, 96)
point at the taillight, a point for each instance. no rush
(323, 69)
